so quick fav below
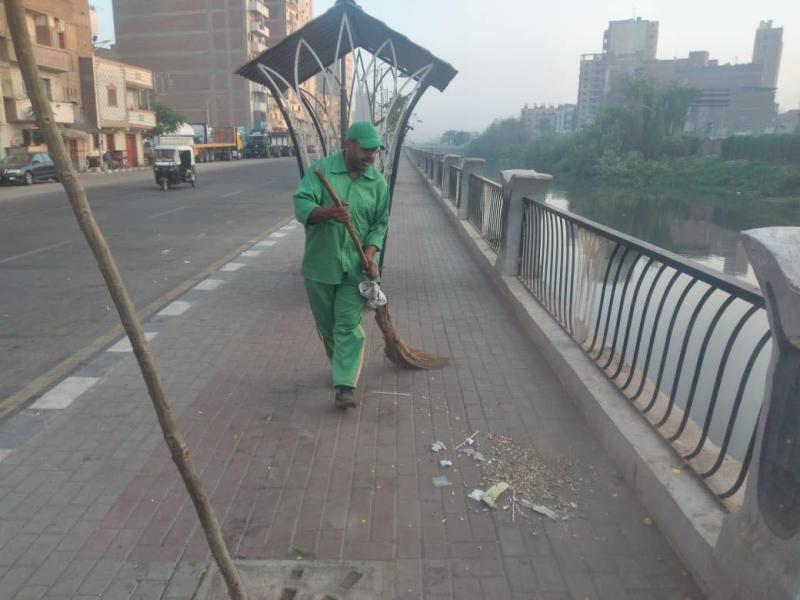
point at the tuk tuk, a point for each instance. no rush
(173, 165)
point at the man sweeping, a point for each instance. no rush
(332, 267)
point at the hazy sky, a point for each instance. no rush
(512, 52)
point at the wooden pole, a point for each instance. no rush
(20, 35)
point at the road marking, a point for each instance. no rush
(266, 244)
(251, 253)
(5, 453)
(278, 234)
(168, 212)
(232, 194)
(289, 227)
(64, 393)
(208, 285)
(232, 266)
(175, 309)
(32, 252)
(124, 345)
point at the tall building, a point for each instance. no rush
(767, 51)
(732, 98)
(60, 30)
(194, 48)
(627, 45)
(631, 37)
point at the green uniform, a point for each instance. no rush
(331, 264)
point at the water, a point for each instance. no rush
(703, 227)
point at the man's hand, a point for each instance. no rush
(329, 213)
(372, 269)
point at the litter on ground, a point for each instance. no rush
(441, 482)
(438, 446)
(445, 463)
(491, 495)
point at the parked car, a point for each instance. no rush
(27, 168)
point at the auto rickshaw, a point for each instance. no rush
(173, 165)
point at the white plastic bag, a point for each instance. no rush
(372, 293)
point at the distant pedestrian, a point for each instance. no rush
(108, 159)
(331, 264)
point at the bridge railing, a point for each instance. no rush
(679, 341)
(686, 345)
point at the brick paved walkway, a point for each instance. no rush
(91, 505)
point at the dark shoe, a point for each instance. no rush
(345, 397)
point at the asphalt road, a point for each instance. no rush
(53, 301)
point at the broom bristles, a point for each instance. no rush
(401, 353)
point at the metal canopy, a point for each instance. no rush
(323, 35)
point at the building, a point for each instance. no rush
(193, 48)
(627, 45)
(286, 17)
(731, 98)
(767, 51)
(119, 109)
(61, 34)
(565, 118)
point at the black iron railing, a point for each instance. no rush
(486, 209)
(681, 342)
(454, 185)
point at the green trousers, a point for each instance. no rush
(337, 313)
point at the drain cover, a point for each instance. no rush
(300, 580)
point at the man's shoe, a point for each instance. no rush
(345, 397)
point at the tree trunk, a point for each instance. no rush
(83, 213)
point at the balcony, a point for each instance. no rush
(259, 7)
(144, 119)
(138, 78)
(259, 28)
(52, 59)
(257, 46)
(20, 111)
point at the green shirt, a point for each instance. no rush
(329, 252)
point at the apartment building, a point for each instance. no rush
(193, 48)
(61, 34)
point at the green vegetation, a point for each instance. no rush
(167, 120)
(639, 144)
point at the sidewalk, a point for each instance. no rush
(92, 506)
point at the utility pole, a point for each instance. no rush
(15, 13)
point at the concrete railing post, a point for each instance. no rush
(759, 547)
(517, 184)
(469, 166)
(450, 160)
(438, 157)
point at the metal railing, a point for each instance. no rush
(454, 186)
(486, 209)
(679, 341)
(439, 173)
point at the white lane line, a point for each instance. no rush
(278, 234)
(64, 393)
(124, 345)
(289, 227)
(5, 453)
(168, 212)
(176, 308)
(208, 285)
(251, 253)
(32, 252)
(232, 194)
(232, 266)
(266, 244)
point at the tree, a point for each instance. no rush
(167, 120)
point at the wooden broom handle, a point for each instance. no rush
(349, 225)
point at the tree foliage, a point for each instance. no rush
(167, 120)
(453, 137)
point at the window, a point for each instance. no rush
(43, 30)
(3, 48)
(48, 88)
(112, 96)
(58, 25)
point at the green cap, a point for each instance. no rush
(365, 134)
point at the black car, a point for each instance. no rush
(27, 168)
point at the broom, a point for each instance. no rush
(395, 348)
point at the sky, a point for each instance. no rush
(512, 52)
